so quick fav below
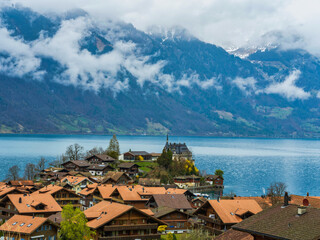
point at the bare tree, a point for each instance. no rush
(74, 152)
(95, 151)
(276, 192)
(59, 161)
(41, 165)
(13, 173)
(30, 171)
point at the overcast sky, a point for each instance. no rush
(227, 23)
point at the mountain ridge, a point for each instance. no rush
(117, 79)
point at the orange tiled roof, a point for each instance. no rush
(51, 189)
(228, 210)
(104, 212)
(30, 201)
(147, 211)
(263, 202)
(106, 190)
(4, 190)
(73, 180)
(129, 193)
(22, 224)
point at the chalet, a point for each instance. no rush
(135, 155)
(128, 195)
(77, 165)
(94, 194)
(28, 227)
(176, 201)
(217, 216)
(77, 183)
(149, 182)
(197, 202)
(283, 222)
(264, 202)
(116, 178)
(233, 234)
(99, 169)
(189, 195)
(179, 150)
(38, 205)
(100, 159)
(176, 220)
(62, 195)
(112, 220)
(131, 169)
(215, 180)
(187, 181)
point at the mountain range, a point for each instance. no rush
(71, 74)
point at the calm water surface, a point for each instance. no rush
(250, 165)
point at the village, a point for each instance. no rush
(106, 195)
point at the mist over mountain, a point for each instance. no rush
(71, 73)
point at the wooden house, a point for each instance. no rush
(215, 180)
(100, 159)
(177, 221)
(176, 201)
(131, 169)
(113, 220)
(62, 195)
(99, 169)
(37, 205)
(187, 181)
(77, 165)
(217, 216)
(22, 227)
(77, 183)
(116, 178)
(135, 155)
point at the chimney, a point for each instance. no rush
(307, 194)
(302, 210)
(286, 199)
(20, 200)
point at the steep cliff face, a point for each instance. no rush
(70, 74)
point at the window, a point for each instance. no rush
(22, 224)
(29, 225)
(14, 223)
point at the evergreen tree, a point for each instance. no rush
(74, 224)
(113, 150)
(165, 159)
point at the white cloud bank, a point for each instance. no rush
(81, 68)
(288, 89)
(228, 23)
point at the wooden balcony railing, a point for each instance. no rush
(130, 227)
(132, 237)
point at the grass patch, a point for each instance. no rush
(146, 166)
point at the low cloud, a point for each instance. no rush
(249, 23)
(288, 89)
(246, 85)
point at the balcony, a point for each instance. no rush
(130, 227)
(132, 237)
(208, 219)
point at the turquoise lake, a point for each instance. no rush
(250, 165)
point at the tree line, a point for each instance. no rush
(73, 152)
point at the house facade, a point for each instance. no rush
(100, 159)
(27, 227)
(217, 216)
(187, 181)
(112, 220)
